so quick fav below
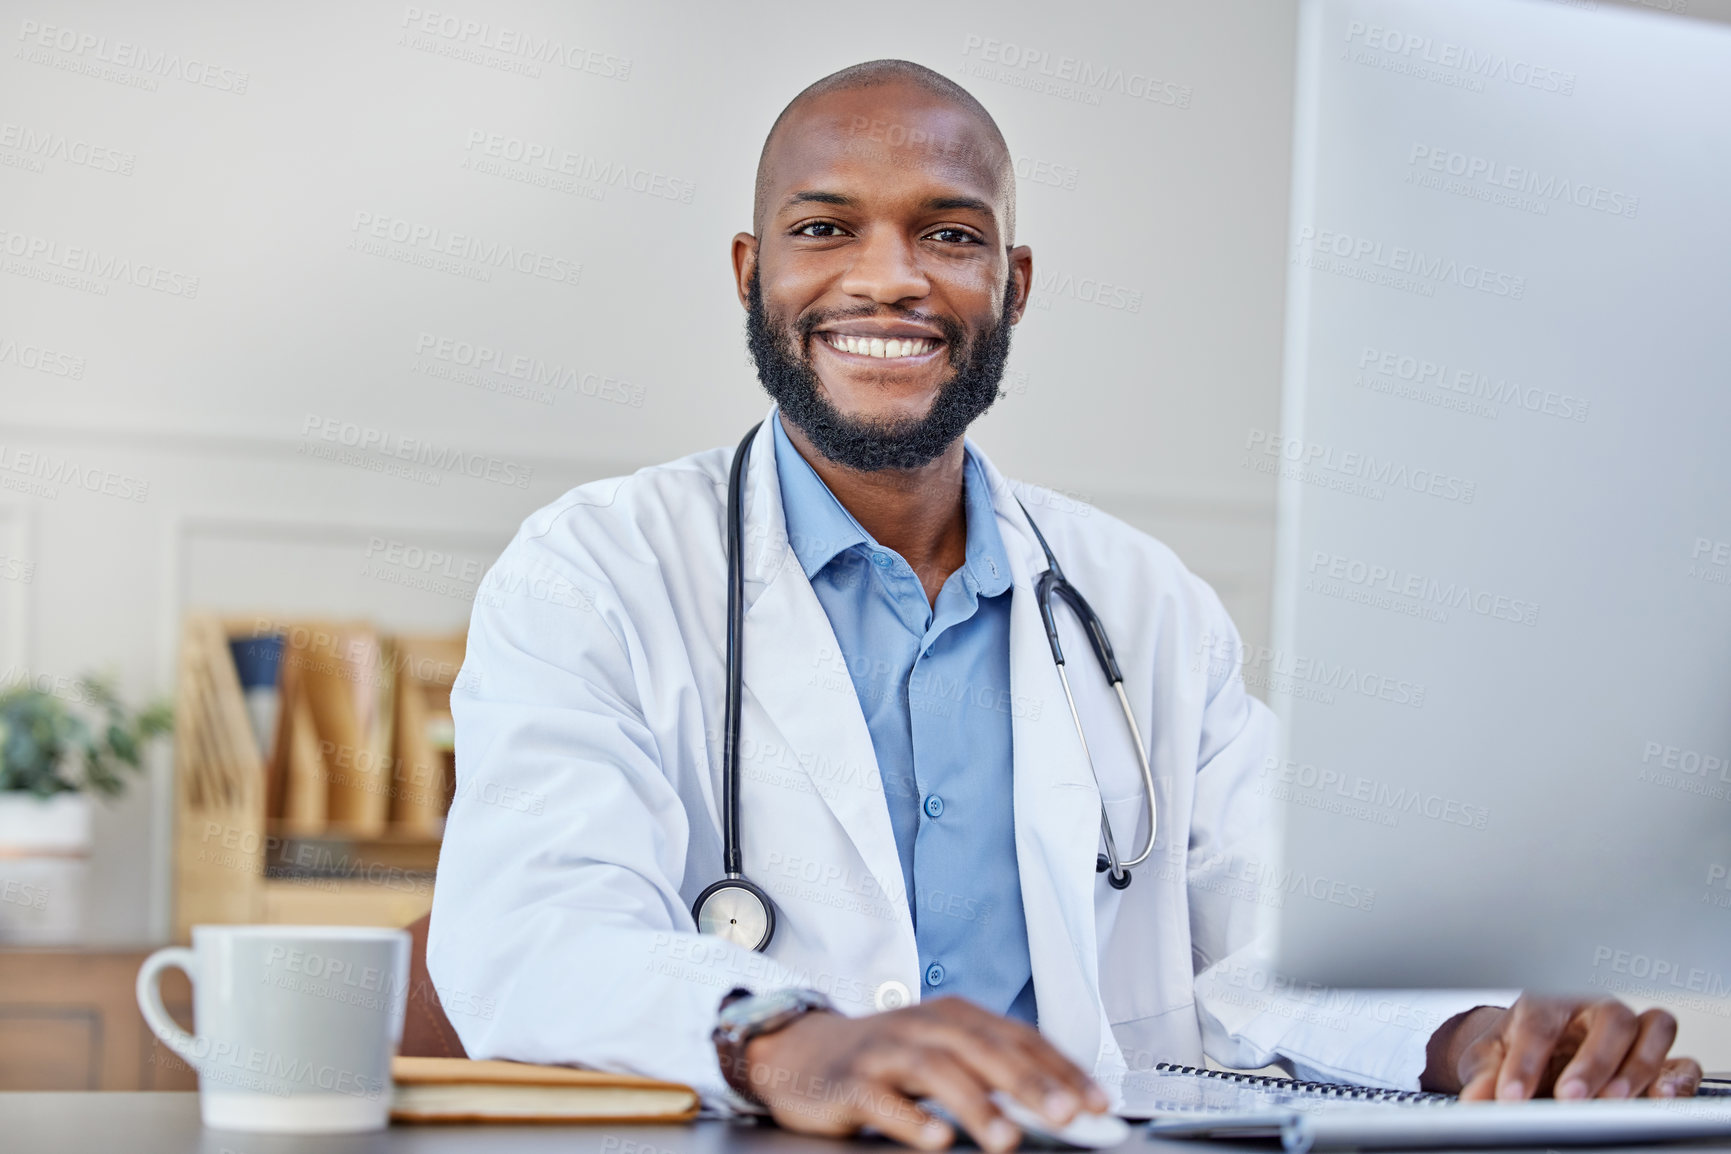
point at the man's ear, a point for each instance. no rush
(744, 264)
(1021, 279)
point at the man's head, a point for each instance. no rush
(882, 281)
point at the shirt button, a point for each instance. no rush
(880, 559)
(892, 995)
(934, 974)
(934, 808)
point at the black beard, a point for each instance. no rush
(786, 372)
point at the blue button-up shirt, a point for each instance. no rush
(934, 683)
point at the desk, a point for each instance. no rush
(167, 1123)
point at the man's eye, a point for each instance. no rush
(954, 236)
(822, 229)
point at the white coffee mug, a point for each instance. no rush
(296, 1024)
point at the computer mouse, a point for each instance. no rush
(1085, 1131)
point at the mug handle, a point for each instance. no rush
(150, 999)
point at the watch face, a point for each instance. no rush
(760, 1008)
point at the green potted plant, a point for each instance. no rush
(61, 742)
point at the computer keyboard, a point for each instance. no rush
(1186, 1102)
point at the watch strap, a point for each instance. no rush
(734, 1032)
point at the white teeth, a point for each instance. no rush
(880, 347)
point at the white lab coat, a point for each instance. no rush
(588, 715)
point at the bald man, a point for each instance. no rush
(941, 934)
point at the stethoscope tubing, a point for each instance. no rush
(732, 862)
(1051, 582)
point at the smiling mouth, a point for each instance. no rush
(883, 348)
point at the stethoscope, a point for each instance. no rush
(735, 908)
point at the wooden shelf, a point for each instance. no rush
(388, 838)
(320, 901)
(341, 821)
(335, 854)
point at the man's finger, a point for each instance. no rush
(1014, 1070)
(1479, 1067)
(1612, 1037)
(1010, 1057)
(936, 1074)
(1678, 1078)
(1073, 1077)
(1640, 1065)
(1530, 1035)
(1068, 1089)
(889, 1112)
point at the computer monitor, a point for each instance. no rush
(1502, 641)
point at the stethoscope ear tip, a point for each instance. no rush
(1117, 881)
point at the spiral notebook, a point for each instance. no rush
(1169, 1088)
(1186, 1102)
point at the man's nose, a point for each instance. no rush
(886, 269)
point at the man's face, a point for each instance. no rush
(880, 286)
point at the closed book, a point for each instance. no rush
(461, 1090)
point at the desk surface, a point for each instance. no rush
(167, 1123)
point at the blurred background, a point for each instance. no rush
(304, 309)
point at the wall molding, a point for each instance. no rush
(252, 447)
(216, 443)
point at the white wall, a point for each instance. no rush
(200, 403)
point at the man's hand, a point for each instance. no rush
(1563, 1047)
(830, 1074)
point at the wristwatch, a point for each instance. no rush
(744, 1016)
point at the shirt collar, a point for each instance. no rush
(819, 526)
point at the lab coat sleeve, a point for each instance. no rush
(1251, 1017)
(558, 932)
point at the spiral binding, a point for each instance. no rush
(1342, 1091)
(1713, 1086)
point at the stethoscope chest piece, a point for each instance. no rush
(736, 911)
